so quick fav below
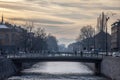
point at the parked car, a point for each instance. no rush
(85, 51)
(21, 52)
(110, 53)
(116, 54)
(95, 51)
(102, 53)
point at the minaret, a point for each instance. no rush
(2, 19)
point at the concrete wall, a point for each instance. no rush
(7, 68)
(110, 67)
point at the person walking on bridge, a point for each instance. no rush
(81, 53)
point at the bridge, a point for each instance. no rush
(18, 59)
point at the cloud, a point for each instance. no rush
(81, 4)
(38, 20)
(63, 18)
(17, 7)
(65, 41)
(87, 6)
(75, 16)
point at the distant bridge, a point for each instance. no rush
(18, 59)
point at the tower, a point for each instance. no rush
(2, 19)
(101, 22)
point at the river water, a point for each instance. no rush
(57, 71)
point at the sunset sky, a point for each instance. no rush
(62, 18)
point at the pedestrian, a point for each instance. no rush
(75, 53)
(1, 51)
(81, 53)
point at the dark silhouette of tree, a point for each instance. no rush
(30, 35)
(85, 36)
(39, 41)
(86, 32)
(52, 43)
(22, 42)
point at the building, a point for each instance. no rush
(98, 42)
(62, 48)
(10, 36)
(87, 44)
(102, 40)
(5, 35)
(115, 33)
(101, 43)
(74, 47)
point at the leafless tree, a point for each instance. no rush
(86, 32)
(52, 43)
(29, 26)
(86, 36)
(40, 42)
(40, 32)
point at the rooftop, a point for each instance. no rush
(2, 26)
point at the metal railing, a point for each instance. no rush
(54, 54)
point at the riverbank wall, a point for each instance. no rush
(7, 68)
(110, 67)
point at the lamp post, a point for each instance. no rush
(107, 18)
(94, 40)
(109, 14)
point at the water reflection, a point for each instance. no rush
(57, 70)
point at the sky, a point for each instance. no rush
(61, 18)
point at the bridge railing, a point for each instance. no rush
(54, 54)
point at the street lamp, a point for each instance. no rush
(107, 18)
(94, 41)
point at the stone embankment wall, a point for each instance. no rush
(110, 67)
(7, 68)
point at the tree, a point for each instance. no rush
(27, 36)
(52, 43)
(86, 32)
(30, 35)
(86, 36)
(39, 42)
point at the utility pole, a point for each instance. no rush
(94, 39)
(107, 18)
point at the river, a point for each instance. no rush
(57, 71)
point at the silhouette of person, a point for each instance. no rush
(75, 52)
(81, 53)
(1, 51)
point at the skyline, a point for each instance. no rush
(60, 18)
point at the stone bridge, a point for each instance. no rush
(18, 58)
